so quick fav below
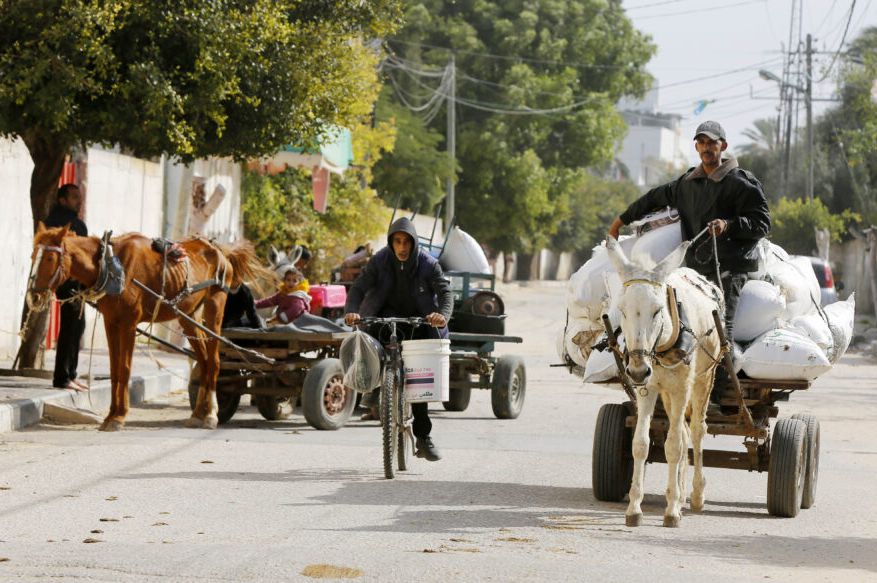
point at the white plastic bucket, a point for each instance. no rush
(427, 370)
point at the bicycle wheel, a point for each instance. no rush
(403, 428)
(389, 433)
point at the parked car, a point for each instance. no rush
(827, 286)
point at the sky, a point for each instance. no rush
(729, 42)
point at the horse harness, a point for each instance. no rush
(177, 254)
(111, 274)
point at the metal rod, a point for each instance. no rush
(167, 344)
(200, 326)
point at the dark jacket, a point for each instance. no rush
(61, 216)
(729, 193)
(240, 310)
(389, 287)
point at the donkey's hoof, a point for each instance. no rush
(193, 422)
(671, 521)
(111, 425)
(697, 505)
(633, 519)
(211, 422)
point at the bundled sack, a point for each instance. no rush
(655, 220)
(760, 308)
(601, 367)
(798, 284)
(659, 242)
(816, 328)
(588, 290)
(840, 321)
(784, 355)
(463, 253)
(361, 357)
(576, 341)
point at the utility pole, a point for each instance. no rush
(452, 141)
(808, 98)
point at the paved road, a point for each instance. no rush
(511, 501)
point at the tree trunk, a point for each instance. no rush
(48, 158)
(871, 266)
(525, 266)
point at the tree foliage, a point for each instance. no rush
(795, 222)
(537, 84)
(193, 78)
(278, 209)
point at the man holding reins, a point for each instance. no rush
(729, 202)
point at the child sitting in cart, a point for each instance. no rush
(291, 299)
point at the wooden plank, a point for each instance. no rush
(715, 458)
(477, 338)
(234, 334)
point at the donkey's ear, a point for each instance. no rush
(616, 255)
(272, 255)
(673, 261)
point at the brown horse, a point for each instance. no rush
(60, 255)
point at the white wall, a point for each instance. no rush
(226, 224)
(16, 240)
(644, 145)
(123, 194)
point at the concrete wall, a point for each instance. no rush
(226, 224)
(848, 261)
(16, 240)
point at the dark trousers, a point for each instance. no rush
(732, 285)
(422, 425)
(69, 336)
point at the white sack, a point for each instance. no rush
(784, 355)
(758, 311)
(816, 329)
(840, 322)
(798, 284)
(658, 243)
(463, 253)
(576, 340)
(601, 365)
(737, 357)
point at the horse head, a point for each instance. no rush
(645, 316)
(50, 264)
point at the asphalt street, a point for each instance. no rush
(510, 501)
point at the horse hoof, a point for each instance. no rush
(211, 422)
(671, 521)
(111, 425)
(193, 422)
(633, 519)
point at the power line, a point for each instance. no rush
(841, 45)
(729, 72)
(665, 2)
(686, 12)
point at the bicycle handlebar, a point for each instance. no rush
(413, 321)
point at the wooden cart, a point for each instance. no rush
(789, 454)
(306, 369)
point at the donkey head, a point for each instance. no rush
(50, 264)
(645, 318)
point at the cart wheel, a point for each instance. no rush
(508, 387)
(459, 400)
(228, 401)
(786, 471)
(612, 459)
(808, 498)
(326, 402)
(272, 408)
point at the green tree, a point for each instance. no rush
(191, 79)
(795, 221)
(536, 88)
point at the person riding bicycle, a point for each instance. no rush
(720, 196)
(403, 280)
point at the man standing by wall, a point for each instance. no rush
(66, 212)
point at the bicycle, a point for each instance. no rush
(397, 435)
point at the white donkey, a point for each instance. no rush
(650, 324)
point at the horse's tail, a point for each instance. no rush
(245, 264)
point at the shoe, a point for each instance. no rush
(426, 449)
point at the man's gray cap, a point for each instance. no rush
(712, 129)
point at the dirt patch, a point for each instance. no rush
(515, 539)
(331, 572)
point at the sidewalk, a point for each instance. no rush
(22, 398)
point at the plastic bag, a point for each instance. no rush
(361, 357)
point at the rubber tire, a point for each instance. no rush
(459, 400)
(612, 456)
(786, 470)
(389, 435)
(271, 407)
(227, 402)
(508, 387)
(313, 392)
(811, 476)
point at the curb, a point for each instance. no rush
(20, 413)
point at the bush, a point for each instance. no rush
(795, 222)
